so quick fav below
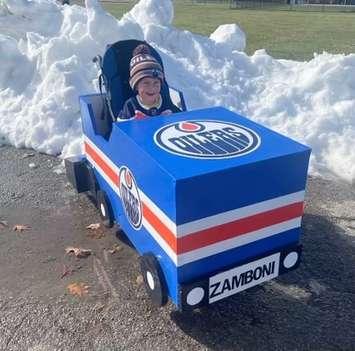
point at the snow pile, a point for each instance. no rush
(46, 51)
(152, 12)
(229, 36)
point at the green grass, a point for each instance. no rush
(284, 34)
(118, 9)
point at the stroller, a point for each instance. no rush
(114, 80)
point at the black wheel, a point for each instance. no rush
(153, 279)
(92, 185)
(105, 209)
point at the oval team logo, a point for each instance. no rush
(130, 197)
(207, 139)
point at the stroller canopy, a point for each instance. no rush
(115, 69)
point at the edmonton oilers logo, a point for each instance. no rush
(130, 197)
(207, 139)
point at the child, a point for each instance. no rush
(146, 78)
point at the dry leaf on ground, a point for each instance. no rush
(20, 227)
(78, 251)
(95, 231)
(115, 249)
(79, 289)
(32, 165)
(3, 224)
(66, 271)
(139, 279)
(93, 226)
(28, 155)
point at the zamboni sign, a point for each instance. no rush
(207, 139)
(244, 277)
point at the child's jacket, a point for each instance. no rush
(132, 105)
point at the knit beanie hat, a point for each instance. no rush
(142, 65)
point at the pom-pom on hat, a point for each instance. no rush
(142, 65)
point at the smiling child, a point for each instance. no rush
(146, 78)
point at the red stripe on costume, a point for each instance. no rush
(112, 174)
(239, 227)
(164, 232)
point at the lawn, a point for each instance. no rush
(284, 34)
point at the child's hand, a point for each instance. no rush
(139, 114)
(167, 112)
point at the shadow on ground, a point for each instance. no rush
(315, 304)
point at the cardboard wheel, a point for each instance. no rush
(153, 279)
(92, 183)
(105, 209)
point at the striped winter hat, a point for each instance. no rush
(144, 65)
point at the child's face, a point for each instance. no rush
(149, 90)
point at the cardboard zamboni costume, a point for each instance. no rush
(211, 200)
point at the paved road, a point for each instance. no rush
(312, 308)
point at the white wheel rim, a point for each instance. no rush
(150, 280)
(102, 208)
(195, 296)
(291, 259)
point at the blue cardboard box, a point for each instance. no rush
(205, 192)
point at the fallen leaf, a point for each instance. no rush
(32, 165)
(93, 226)
(66, 271)
(3, 224)
(59, 169)
(20, 227)
(139, 279)
(78, 251)
(115, 249)
(79, 289)
(28, 155)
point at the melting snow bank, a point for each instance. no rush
(46, 51)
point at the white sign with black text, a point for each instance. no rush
(241, 278)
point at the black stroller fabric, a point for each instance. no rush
(115, 68)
